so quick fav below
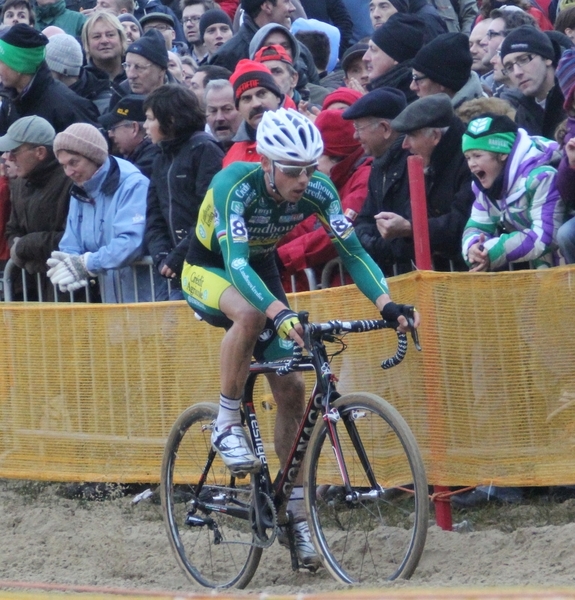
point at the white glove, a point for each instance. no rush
(68, 271)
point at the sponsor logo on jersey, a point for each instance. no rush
(242, 189)
(262, 211)
(291, 207)
(238, 263)
(237, 207)
(286, 344)
(291, 218)
(334, 208)
(350, 214)
(259, 219)
(201, 231)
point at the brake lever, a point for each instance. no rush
(410, 316)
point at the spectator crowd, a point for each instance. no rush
(115, 116)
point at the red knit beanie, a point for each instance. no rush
(337, 133)
(250, 74)
(342, 94)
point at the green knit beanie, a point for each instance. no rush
(490, 133)
(22, 48)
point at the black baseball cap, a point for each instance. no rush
(128, 108)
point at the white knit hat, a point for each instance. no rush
(64, 54)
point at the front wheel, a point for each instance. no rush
(374, 528)
(206, 512)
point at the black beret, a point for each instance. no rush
(431, 111)
(383, 102)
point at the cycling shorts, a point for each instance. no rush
(203, 287)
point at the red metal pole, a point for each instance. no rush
(420, 228)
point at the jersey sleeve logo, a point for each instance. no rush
(238, 229)
(341, 226)
(237, 207)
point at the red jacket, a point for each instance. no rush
(308, 244)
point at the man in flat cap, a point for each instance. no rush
(388, 188)
(433, 132)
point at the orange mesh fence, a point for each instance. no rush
(90, 392)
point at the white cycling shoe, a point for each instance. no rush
(235, 450)
(305, 550)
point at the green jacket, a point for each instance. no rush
(57, 14)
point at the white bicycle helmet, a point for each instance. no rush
(288, 135)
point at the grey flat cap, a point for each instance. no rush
(431, 111)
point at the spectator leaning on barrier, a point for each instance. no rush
(31, 89)
(530, 59)
(40, 194)
(444, 66)
(517, 210)
(433, 132)
(181, 174)
(105, 225)
(125, 127)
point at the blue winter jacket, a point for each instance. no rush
(106, 219)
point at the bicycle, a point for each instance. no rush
(363, 475)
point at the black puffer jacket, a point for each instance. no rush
(47, 98)
(449, 201)
(181, 175)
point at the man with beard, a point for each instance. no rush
(255, 92)
(222, 116)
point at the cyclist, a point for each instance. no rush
(231, 280)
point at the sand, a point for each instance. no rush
(116, 543)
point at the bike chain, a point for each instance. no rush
(271, 510)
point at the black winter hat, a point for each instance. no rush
(211, 17)
(383, 102)
(527, 39)
(151, 46)
(23, 36)
(401, 36)
(446, 60)
(401, 6)
(251, 6)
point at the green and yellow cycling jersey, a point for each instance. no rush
(239, 224)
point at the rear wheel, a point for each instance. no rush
(208, 523)
(375, 529)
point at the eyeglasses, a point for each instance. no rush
(137, 68)
(418, 78)
(187, 20)
(491, 34)
(118, 125)
(159, 27)
(296, 171)
(521, 62)
(362, 127)
(17, 151)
